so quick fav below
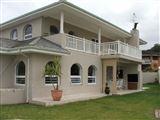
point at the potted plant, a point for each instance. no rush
(107, 90)
(53, 71)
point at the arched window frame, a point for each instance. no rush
(76, 79)
(20, 79)
(51, 80)
(29, 35)
(92, 78)
(14, 31)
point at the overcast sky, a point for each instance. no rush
(118, 12)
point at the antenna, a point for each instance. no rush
(135, 20)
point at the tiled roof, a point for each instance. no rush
(38, 42)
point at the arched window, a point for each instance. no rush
(20, 73)
(92, 74)
(76, 74)
(27, 32)
(14, 34)
(53, 30)
(71, 33)
(50, 79)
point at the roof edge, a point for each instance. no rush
(53, 5)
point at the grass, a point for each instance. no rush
(137, 106)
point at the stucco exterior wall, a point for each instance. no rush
(7, 71)
(39, 89)
(36, 29)
(12, 96)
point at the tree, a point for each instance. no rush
(156, 48)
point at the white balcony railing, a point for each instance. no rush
(147, 61)
(121, 48)
(117, 47)
(81, 44)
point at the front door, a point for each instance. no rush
(109, 75)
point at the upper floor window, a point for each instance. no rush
(14, 34)
(20, 73)
(71, 33)
(53, 30)
(76, 74)
(27, 32)
(92, 74)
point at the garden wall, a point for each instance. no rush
(149, 77)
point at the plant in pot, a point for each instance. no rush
(53, 72)
(107, 90)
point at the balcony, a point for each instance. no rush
(147, 61)
(120, 48)
(107, 48)
(81, 44)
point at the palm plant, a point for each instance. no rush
(53, 69)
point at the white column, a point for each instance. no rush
(114, 82)
(61, 22)
(140, 77)
(99, 40)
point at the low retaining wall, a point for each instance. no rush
(12, 96)
(149, 77)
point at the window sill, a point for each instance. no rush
(91, 83)
(76, 84)
(20, 84)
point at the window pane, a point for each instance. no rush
(75, 80)
(91, 80)
(75, 70)
(20, 80)
(28, 36)
(51, 80)
(53, 30)
(28, 30)
(91, 71)
(20, 69)
(14, 34)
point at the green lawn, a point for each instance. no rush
(137, 106)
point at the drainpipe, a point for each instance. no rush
(28, 73)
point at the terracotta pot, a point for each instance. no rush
(56, 95)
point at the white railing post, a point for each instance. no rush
(127, 50)
(84, 44)
(118, 46)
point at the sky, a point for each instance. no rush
(118, 12)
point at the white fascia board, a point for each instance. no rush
(28, 50)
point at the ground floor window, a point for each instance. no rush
(75, 74)
(50, 79)
(92, 74)
(20, 73)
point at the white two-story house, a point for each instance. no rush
(92, 51)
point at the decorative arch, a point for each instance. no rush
(92, 74)
(14, 34)
(75, 72)
(27, 32)
(20, 73)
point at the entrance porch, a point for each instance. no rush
(122, 76)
